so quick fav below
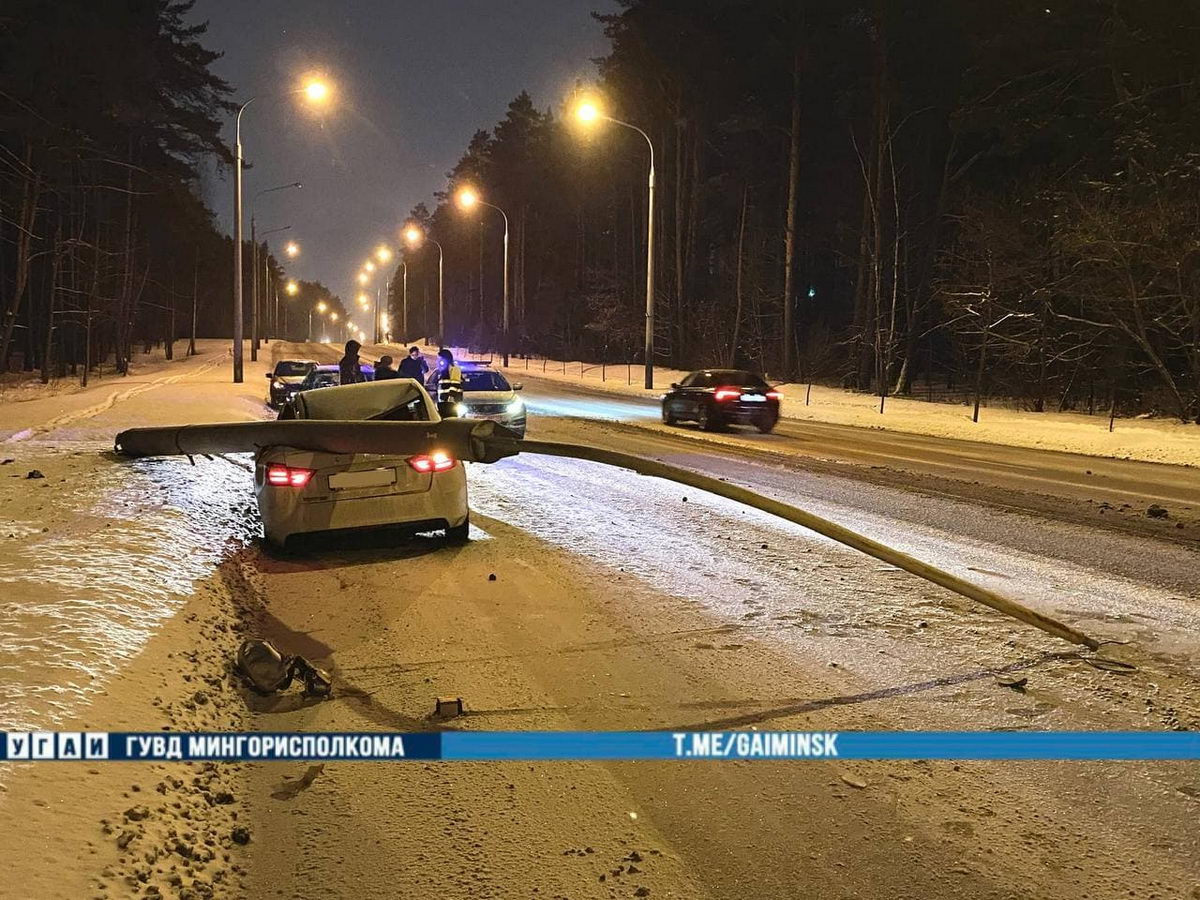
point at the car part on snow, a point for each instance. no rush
(267, 670)
(448, 707)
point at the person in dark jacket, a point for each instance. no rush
(414, 365)
(384, 370)
(349, 367)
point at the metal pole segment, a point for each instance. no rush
(815, 523)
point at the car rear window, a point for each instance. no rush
(736, 378)
(484, 380)
(288, 369)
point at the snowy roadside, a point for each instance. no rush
(119, 611)
(17, 387)
(1148, 440)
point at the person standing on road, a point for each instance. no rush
(349, 367)
(448, 379)
(414, 366)
(384, 370)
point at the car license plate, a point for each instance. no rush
(371, 478)
(754, 398)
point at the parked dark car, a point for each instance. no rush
(286, 378)
(330, 375)
(714, 398)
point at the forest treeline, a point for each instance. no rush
(989, 196)
(108, 112)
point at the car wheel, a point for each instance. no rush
(766, 424)
(707, 418)
(667, 417)
(459, 534)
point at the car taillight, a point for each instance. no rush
(727, 393)
(288, 476)
(773, 395)
(433, 462)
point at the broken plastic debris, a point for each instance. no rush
(448, 707)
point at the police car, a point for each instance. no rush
(487, 394)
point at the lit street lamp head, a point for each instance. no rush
(316, 91)
(292, 288)
(321, 307)
(333, 317)
(587, 112)
(292, 249)
(383, 254)
(467, 197)
(362, 278)
(413, 235)
(369, 266)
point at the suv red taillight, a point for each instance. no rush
(772, 395)
(288, 476)
(727, 393)
(433, 462)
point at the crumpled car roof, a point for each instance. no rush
(369, 400)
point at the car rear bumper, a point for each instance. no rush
(745, 414)
(286, 512)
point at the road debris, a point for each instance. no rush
(448, 707)
(266, 670)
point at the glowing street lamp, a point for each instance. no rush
(320, 308)
(362, 278)
(369, 266)
(383, 254)
(292, 288)
(588, 113)
(316, 91)
(468, 198)
(292, 249)
(415, 236)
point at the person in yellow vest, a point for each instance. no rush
(448, 378)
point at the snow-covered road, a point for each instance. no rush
(618, 602)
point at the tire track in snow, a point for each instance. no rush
(112, 400)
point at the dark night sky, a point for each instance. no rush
(414, 80)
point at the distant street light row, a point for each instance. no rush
(587, 112)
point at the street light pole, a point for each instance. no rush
(441, 296)
(589, 111)
(649, 348)
(237, 245)
(404, 317)
(504, 320)
(317, 92)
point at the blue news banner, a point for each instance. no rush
(66, 746)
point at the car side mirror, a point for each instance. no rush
(270, 374)
(674, 385)
(517, 386)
